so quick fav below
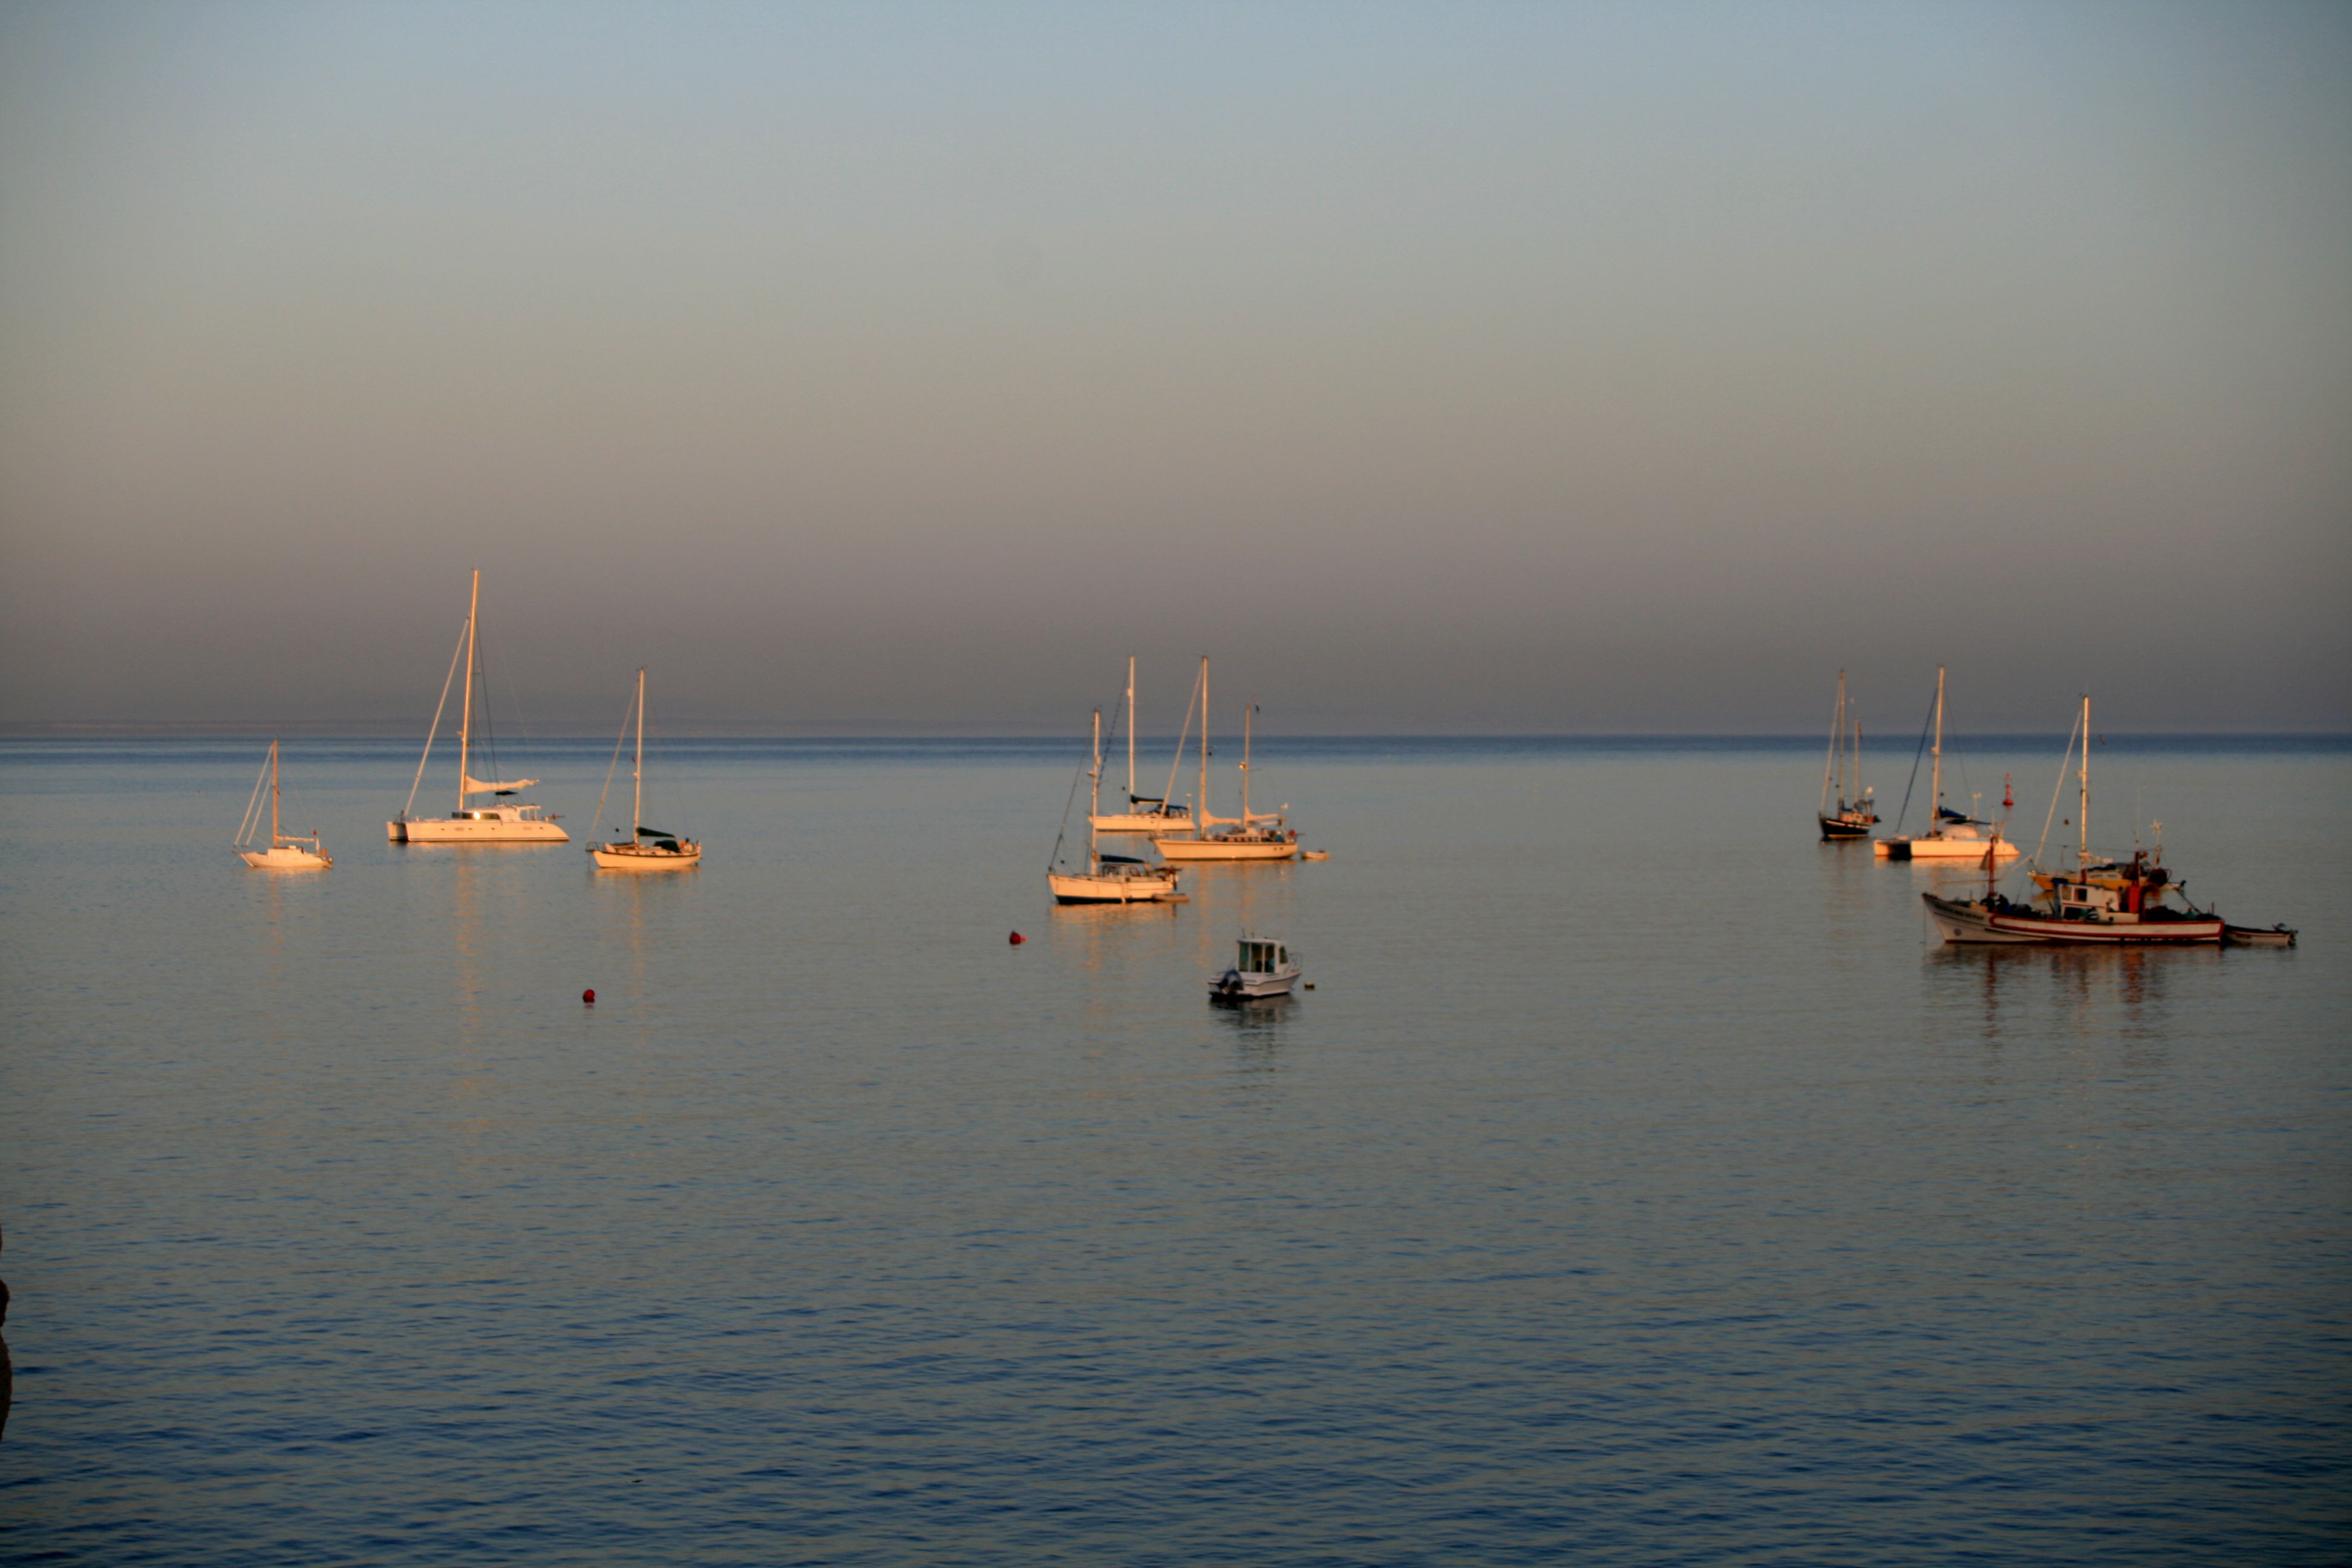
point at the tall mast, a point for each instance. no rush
(466, 722)
(638, 768)
(1937, 783)
(2082, 815)
(1201, 828)
(1130, 731)
(1245, 755)
(1835, 763)
(1094, 799)
(273, 794)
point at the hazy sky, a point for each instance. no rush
(1505, 367)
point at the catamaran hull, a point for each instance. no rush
(1109, 889)
(1226, 849)
(442, 830)
(1944, 848)
(1972, 922)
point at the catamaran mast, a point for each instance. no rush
(466, 721)
(638, 768)
(1937, 782)
(1130, 733)
(1094, 777)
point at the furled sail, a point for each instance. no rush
(476, 787)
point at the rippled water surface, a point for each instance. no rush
(1638, 1185)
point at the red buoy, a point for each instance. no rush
(589, 997)
(1017, 938)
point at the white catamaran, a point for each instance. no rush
(1107, 878)
(501, 823)
(1951, 835)
(285, 853)
(645, 848)
(1252, 836)
(1144, 813)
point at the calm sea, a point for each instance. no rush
(1640, 1183)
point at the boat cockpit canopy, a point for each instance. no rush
(1261, 957)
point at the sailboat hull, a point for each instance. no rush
(1840, 829)
(1079, 888)
(648, 857)
(284, 858)
(1215, 849)
(1141, 822)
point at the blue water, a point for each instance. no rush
(1639, 1184)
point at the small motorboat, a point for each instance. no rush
(1261, 967)
(2280, 935)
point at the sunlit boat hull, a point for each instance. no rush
(1940, 848)
(1235, 849)
(1142, 822)
(648, 857)
(285, 858)
(475, 830)
(1109, 889)
(1971, 922)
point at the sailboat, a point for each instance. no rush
(1252, 836)
(2102, 904)
(1144, 813)
(285, 853)
(1953, 836)
(1852, 818)
(501, 823)
(645, 848)
(1107, 878)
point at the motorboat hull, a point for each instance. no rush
(1972, 922)
(474, 830)
(1944, 848)
(1110, 890)
(1213, 848)
(1232, 986)
(646, 857)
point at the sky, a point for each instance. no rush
(1434, 368)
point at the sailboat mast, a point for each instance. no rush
(465, 720)
(273, 794)
(2083, 814)
(638, 768)
(1094, 777)
(1936, 784)
(1130, 731)
(1834, 762)
(1201, 828)
(1246, 712)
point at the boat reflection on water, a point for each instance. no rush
(2118, 991)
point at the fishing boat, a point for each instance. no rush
(1951, 835)
(1851, 817)
(2100, 903)
(1144, 813)
(1261, 967)
(645, 848)
(1252, 836)
(1107, 879)
(286, 852)
(505, 821)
